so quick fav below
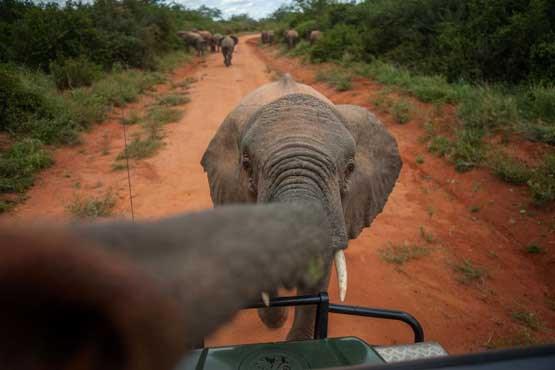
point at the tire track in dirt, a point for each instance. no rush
(461, 317)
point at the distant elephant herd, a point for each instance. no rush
(290, 37)
(202, 40)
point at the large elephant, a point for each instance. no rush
(314, 37)
(264, 37)
(291, 37)
(228, 46)
(218, 37)
(209, 39)
(194, 40)
(137, 296)
(285, 142)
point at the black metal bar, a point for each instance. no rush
(321, 322)
(381, 314)
(324, 307)
(302, 300)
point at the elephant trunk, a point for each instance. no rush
(302, 173)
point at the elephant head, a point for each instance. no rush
(287, 143)
(138, 296)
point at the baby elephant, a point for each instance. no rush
(228, 45)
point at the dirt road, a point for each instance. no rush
(510, 301)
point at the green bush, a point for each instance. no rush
(19, 164)
(336, 42)
(74, 72)
(509, 169)
(468, 149)
(542, 181)
(338, 78)
(440, 145)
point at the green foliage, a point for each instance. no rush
(469, 273)
(440, 146)
(19, 164)
(529, 319)
(542, 181)
(337, 77)
(92, 207)
(401, 111)
(399, 254)
(141, 148)
(74, 72)
(336, 42)
(509, 169)
(468, 150)
(173, 99)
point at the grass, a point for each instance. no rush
(141, 148)
(534, 249)
(426, 236)
(518, 339)
(399, 254)
(401, 111)
(163, 115)
(41, 115)
(92, 207)
(508, 169)
(132, 119)
(440, 145)
(474, 209)
(469, 273)
(19, 164)
(528, 319)
(542, 181)
(419, 159)
(173, 99)
(338, 78)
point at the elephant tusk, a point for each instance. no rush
(341, 269)
(266, 299)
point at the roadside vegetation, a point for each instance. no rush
(493, 61)
(63, 67)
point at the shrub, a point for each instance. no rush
(92, 207)
(401, 111)
(336, 42)
(440, 145)
(74, 72)
(19, 164)
(509, 169)
(542, 181)
(468, 149)
(399, 254)
(339, 79)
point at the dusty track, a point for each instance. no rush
(462, 317)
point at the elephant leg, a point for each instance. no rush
(273, 317)
(305, 316)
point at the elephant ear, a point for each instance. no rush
(377, 167)
(221, 162)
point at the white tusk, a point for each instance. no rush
(341, 269)
(266, 299)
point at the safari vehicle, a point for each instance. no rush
(353, 353)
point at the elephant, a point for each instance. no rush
(194, 40)
(138, 296)
(315, 36)
(264, 37)
(270, 37)
(291, 37)
(228, 45)
(218, 37)
(208, 38)
(287, 143)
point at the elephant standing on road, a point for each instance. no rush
(218, 37)
(193, 40)
(209, 39)
(315, 36)
(228, 46)
(130, 296)
(291, 37)
(287, 143)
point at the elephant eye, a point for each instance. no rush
(350, 167)
(246, 162)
